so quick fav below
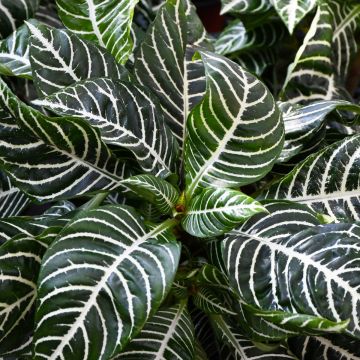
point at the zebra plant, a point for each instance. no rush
(160, 226)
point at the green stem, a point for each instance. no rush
(95, 201)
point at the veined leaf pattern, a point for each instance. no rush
(62, 145)
(14, 54)
(107, 22)
(216, 211)
(164, 62)
(245, 6)
(168, 334)
(228, 132)
(292, 11)
(12, 199)
(126, 115)
(157, 191)
(334, 188)
(20, 260)
(130, 270)
(13, 13)
(302, 264)
(59, 58)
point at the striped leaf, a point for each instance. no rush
(257, 328)
(72, 150)
(245, 6)
(325, 348)
(216, 211)
(289, 272)
(239, 346)
(211, 301)
(256, 61)
(59, 58)
(205, 334)
(228, 132)
(13, 13)
(301, 323)
(102, 278)
(12, 199)
(293, 11)
(326, 181)
(164, 64)
(303, 123)
(169, 334)
(20, 260)
(211, 276)
(345, 22)
(14, 54)
(155, 190)
(56, 216)
(126, 115)
(236, 38)
(311, 75)
(320, 68)
(106, 22)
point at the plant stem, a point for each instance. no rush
(95, 201)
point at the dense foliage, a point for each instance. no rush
(201, 191)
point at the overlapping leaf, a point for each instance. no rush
(321, 259)
(238, 347)
(107, 22)
(326, 181)
(12, 199)
(325, 348)
(163, 62)
(231, 141)
(126, 115)
(292, 11)
(216, 211)
(59, 59)
(236, 38)
(245, 6)
(302, 124)
(212, 302)
(20, 260)
(168, 334)
(67, 149)
(14, 54)
(104, 269)
(13, 13)
(321, 65)
(157, 191)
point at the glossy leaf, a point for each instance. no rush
(303, 123)
(12, 199)
(334, 186)
(106, 22)
(228, 132)
(236, 38)
(239, 346)
(115, 273)
(20, 260)
(168, 334)
(300, 267)
(164, 62)
(59, 59)
(79, 161)
(126, 115)
(245, 6)
(216, 211)
(157, 191)
(292, 12)
(13, 13)
(325, 348)
(14, 54)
